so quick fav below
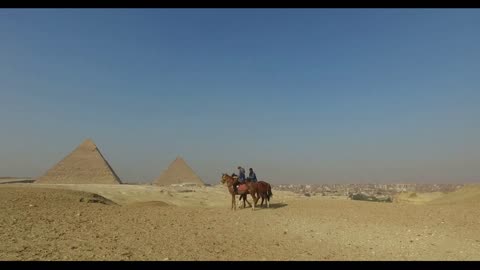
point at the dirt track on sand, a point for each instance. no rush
(51, 223)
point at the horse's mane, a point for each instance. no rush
(227, 175)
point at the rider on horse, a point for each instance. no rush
(252, 176)
(240, 179)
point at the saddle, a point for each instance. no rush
(242, 188)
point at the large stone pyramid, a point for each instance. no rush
(85, 165)
(178, 173)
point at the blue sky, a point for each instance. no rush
(302, 96)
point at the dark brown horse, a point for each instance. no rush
(250, 188)
(264, 191)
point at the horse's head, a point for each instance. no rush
(224, 178)
(227, 179)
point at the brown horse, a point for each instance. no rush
(244, 197)
(250, 189)
(264, 191)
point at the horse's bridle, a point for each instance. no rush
(225, 178)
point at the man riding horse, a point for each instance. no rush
(248, 188)
(264, 190)
(240, 179)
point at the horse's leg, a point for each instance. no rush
(244, 197)
(261, 204)
(254, 200)
(234, 203)
(268, 201)
(246, 200)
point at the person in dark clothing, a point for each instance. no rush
(252, 176)
(241, 174)
(240, 179)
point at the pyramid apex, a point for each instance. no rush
(88, 143)
(88, 140)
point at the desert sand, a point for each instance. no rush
(135, 222)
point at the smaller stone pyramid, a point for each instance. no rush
(84, 165)
(178, 173)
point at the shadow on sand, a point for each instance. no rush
(273, 206)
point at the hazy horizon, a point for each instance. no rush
(302, 96)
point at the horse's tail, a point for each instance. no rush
(269, 192)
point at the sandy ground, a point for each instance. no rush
(133, 222)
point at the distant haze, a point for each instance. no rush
(302, 96)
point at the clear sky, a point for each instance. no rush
(302, 96)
